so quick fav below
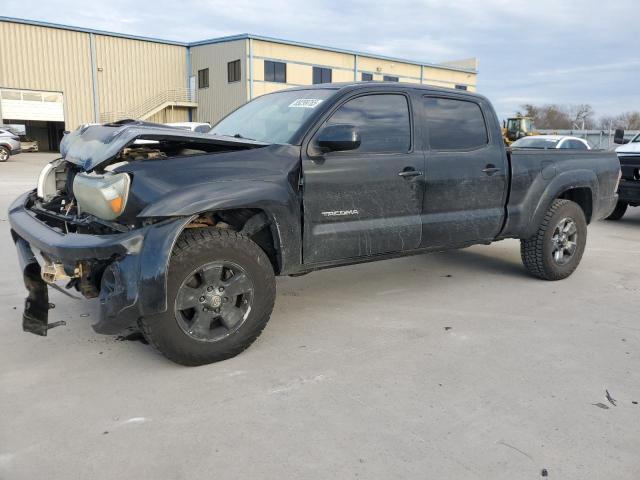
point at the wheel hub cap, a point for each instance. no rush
(564, 241)
(214, 301)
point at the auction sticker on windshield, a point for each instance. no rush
(305, 103)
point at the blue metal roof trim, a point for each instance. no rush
(106, 33)
(231, 38)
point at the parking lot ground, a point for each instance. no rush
(454, 365)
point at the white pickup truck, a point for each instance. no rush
(629, 190)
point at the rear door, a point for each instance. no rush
(366, 201)
(466, 172)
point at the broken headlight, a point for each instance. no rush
(104, 196)
(52, 180)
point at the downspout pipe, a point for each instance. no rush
(250, 69)
(355, 68)
(94, 78)
(191, 92)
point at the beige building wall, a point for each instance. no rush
(405, 72)
(301, 60)
(170, 115)
(449, 78)
(133, 72)
(40, 58)
(221, 97)
(129, 72)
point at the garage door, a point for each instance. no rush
(32, 105)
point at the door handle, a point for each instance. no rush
(491, 169)
(409, 172)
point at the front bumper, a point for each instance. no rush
(132, 285)
(629, 191)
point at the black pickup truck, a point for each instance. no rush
(182, 233)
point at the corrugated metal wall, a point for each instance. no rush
(31, 58)
(132, 71)
(221, 97)
(128, 71)
(170, 115)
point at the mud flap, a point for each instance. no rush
(35, 318)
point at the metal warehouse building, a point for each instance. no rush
(56, 77)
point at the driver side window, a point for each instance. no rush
(381, 120)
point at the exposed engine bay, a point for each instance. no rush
(87, 190)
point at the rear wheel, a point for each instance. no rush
(220, 294)
(555, 251)
(4, 154)
(619, 211)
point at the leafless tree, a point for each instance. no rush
(577, 117)
(582, 116)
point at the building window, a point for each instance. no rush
(389, 78)
(321, 75)
(233, 71)
(203, 78)
(367, 77)
(275, 72)
(461, 87)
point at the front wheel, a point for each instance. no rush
(619, 211)
(555, 250)
(4, 154)
(220, 294)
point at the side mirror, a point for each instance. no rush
(618, 136)
(338, 138)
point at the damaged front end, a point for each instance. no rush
(126, 270)
(80, 228)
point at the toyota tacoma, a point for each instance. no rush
(181, 234)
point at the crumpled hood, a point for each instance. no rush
(93, 145)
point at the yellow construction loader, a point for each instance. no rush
(517, 127)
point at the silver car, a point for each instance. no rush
(28, 144)
(9, 144)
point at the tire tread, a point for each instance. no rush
(195, 241)
(532, 249)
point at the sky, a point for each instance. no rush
(543, 51)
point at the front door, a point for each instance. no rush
(466, 173)
(366, 201)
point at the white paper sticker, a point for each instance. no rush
(305, 103)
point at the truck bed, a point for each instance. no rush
(536, 173)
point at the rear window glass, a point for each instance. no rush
(455, 124)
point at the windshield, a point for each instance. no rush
(535, 142)
(273, 118)
(636, 139)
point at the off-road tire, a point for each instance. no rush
(537, 251)
(194, 248)
(5, 153)
(619, 211)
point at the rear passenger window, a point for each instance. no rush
(455, 124)
(382, 121)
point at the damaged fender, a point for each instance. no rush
(135, 286)
(277, 200)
